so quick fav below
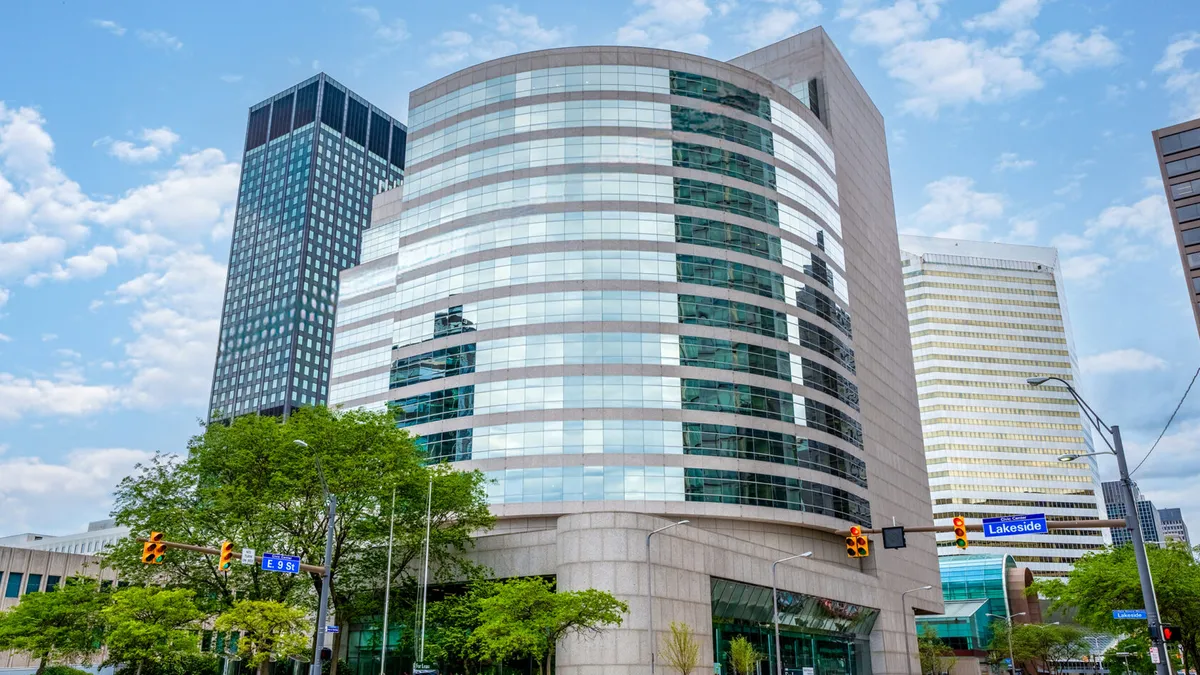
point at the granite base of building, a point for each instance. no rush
(838, 618)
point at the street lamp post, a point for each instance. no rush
(775, 608)
(904, 608)
(1149, 599)
(323, 605)
(1008, 619)
(650, 588)
(1124, 656)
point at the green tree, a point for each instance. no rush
(743, 657)
(60, 626)
(1108, 579)
(936, 656)
(149, 628)
(271, 631)
(680, 649)
(452, 622)
(1138, 648)
(250, 483)
(526, 617)
(1049, 645)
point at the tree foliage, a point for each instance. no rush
(57, 626)
(1108, 579)
(1046, 644)
(680, 649)
(270, 631)
(452, 621)
(1138, 649)
(743, 657)
(149, 628)
(936, 656)
(250, 483)
(526, 617)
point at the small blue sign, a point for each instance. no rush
(274, 562)
(332, 629)
(1007, 526)
(1129, 614)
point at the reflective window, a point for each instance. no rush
(755, 489)
(544, 81)
(558, 349)
(736, 356)
(33, 584)
(1185, 189)
(572, 437)
(720, 126)
(1193, 260)
(818, 303)
(725, 162)
(557, 115)
(720, 440)
(737, 399)
(13, 588)
(585, 483)
(728, 199)
(1184, 140)
(716, 91)
(720, 313)
(707, 232)
(1196, 284)
(807, 134)
(821, 340)
(437, 405)
(817, 415)
(1191, 237)
(1189, 212)
(447, 446)
(726, 274)
(827, 380)
(433, 365)
(1182, 166)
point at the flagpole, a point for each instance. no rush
(387, 588)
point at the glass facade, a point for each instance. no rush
(829, 636)
(315, 155)
(658, 274)
(973, 587)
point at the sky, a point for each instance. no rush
(121, 127)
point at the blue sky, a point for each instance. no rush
(1025, 121)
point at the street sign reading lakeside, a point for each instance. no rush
(288, 564)
(1006, 526)
(1129, 614)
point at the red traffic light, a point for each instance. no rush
(1170, 633)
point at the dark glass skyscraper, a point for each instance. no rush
(315, 155)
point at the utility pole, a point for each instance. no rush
(327, 577)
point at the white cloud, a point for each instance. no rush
(392, 31)
(1009, 15)
(1088, 268)
(1181, 82)
(1010, 161)
(1022, 230)
(956, 210)
(1071, 243)
(35, 196)
(18, 257)
(1146, 220)
(1070, 51)
(86, 266)
(947, 72)
(1121, 361)
(1073, 188)
(160, 38)
(905, 20)
(779, 22)
(503, 31)
(110, 26)
(49, 337)
(5, 294)
(5, 338)
(37, 495)
(668, 24)
(20, 396)
(158, 142)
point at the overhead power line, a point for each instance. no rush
(1168, 424)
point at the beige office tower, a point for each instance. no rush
(984, 317)
(636, 287)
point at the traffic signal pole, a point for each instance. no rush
(1053, 525)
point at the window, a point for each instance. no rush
(1189, 212)
(1185, 189)
(13, 588)
(1182, 166)
(34, 584)
(1191, 237)
(1196, 284)
(1184, 140)
(710, 89)
(1193, 260)
(52, 582)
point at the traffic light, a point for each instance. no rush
(1170, 633)
(153, 550)
(226, 556)
(857, 545)
(960, 532)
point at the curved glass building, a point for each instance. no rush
(628, 283)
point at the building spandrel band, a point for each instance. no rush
(315, 155)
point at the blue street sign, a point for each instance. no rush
(1006, 526)
(1129, 614)
(332, 629)
(274, 562)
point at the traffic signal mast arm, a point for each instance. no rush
(1053, 525)
(317, 569)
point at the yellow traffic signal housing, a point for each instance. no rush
(153, 550)
(226, 556)
(960, 532)
(857, 545)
